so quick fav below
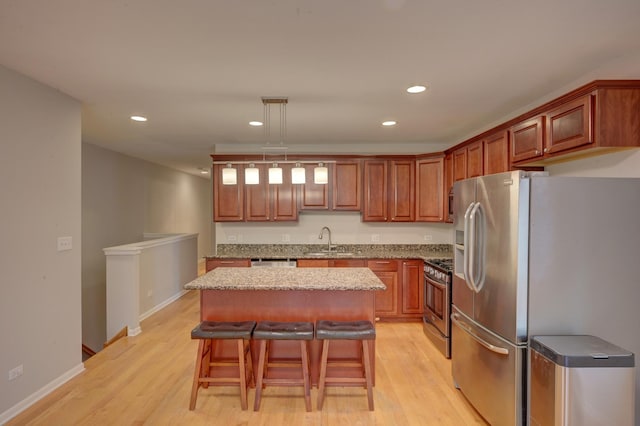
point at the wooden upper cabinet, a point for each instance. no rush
(527, 139)
(430, 190)
(284, 199)
(347, 185)
(375, 183)
(496, 153)
(228, 200)
(402, 191)
(257, 200)
(475, 160)
(459, 164)
(313, 196)
(570, 125)
(448, 184)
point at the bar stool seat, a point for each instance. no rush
(345, 330)
(209, 332)
(266, 331)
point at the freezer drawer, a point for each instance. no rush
(488, 370)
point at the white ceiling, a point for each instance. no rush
(198, 68)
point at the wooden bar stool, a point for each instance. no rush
(209, 332)
(345, 330)
(266, 331)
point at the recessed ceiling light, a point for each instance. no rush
(204, 171)
(416, 89)
(389, 123)
(138, 118)
(255, 123)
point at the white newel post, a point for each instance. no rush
(144, 277)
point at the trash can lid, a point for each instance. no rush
(582, 351)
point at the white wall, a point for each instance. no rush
(123, 198)
(346, 228)
(40, 318)
(619, 164)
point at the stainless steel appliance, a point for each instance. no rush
(538, 255)
(437, 303)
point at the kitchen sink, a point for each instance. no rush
(329, 253)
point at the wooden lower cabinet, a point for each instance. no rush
(227, 263)
(412, 287)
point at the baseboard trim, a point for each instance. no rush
(41, 393)
(162, 305)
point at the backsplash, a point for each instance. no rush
(296, 250)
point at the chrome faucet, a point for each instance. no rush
(329, 245)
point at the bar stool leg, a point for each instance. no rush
(196, 375)
(261, 363)
(243, 374)
(305, 374)
(367, 372)
(323, 372)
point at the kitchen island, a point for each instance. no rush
(290, 294)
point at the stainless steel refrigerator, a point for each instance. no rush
(536, 254)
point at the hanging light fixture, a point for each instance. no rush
(298, 174)
(251, 175)
(321, 174)
(229, 175)
(275, 174)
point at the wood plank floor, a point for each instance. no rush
(146, 379)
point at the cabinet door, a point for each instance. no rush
(312, 263)
(402, 207)
(527, 139)
(257, 197)
(284, 198)
(375, 191)
(496, 153)
(429, 190)
(448, 185)
(412, 286)
(347, 185)
(313, 196)
(569, 126)
(228, 200)
(474, 160)
(227, 263)
(459, 164)
(386, 303)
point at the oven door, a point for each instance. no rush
(437, 305)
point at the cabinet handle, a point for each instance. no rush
(227, 262)
(546, 150)
(383, 263)
(537, 152)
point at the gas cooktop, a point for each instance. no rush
(444, 264)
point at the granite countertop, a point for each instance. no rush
(342, 251)
(287, 279)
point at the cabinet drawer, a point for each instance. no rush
(348, 263)
(228, 263)
(383, 265)
(313, 263)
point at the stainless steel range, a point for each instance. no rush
(437, 303)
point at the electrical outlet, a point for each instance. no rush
(286, 238)
(149, 293)
(65, 243)
(428, 238)
(375, 238)
(14, 373)
(232, 238)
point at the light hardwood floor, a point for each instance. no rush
(146, 379)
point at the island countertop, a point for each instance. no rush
(347, 279)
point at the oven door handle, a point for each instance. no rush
(436, 284)
(464, 327)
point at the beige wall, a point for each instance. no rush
(40, 325)
(122, 198)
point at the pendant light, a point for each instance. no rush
(229, 175)
(275, 174)
(321, 174)
(298, 174)
(251, 175)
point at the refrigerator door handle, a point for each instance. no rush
(481, 246)
(467, 247)
(463, 326)
(473, 243)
